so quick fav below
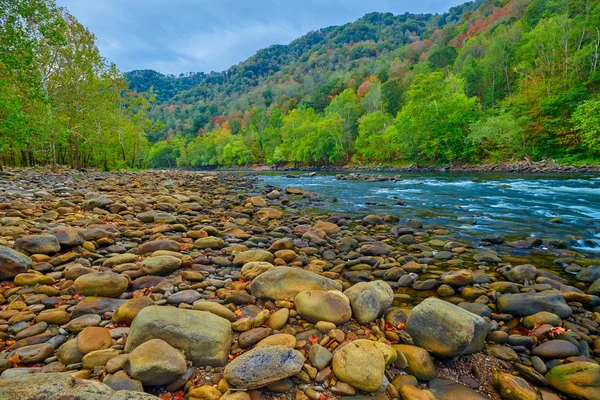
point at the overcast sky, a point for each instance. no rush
(178, 36)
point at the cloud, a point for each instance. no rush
(179, 36)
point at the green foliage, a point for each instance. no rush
(434, 123)
(374, 133)
(500, 137)
(587, 119)
(60, 102)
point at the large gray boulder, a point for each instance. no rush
(286, 282)
(62, 386)
(446, 330)
(525, 304)
(203, 336)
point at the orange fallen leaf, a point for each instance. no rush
(313, 339)
(15, 360)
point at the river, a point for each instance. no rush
(475, 204)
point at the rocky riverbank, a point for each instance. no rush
(519, 167)
(202, 286)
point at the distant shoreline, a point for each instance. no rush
(517, 167)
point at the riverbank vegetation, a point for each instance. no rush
(489, 81)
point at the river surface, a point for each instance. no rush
(476, 204)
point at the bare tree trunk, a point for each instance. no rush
(77, 160)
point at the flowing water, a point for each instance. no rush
(481, 204)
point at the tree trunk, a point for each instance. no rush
(77, 160)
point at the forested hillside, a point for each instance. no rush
(488, 81)
(491, 80)
(60, 101)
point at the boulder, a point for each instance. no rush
(154, 363)
(514, 388)
(285, 282)
(38, 244)
(262, 366)
(361, 364)
(580, 380)
(93, 338)
(525, 304)
(160, 244)
(209, 242)
(62, 386)
(319, 305)
(160, 265)
(369, 300)
(104, 284)
(96, 305)
(127, 312)
(589, 274)
(420, 363)
(556, 349)
(203, 336)
(253, 256)
(68, 237)
(254, 268)
(12, 263)
(215, 308)
(446, 330)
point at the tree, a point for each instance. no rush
(500, 137)
(443, 57)
(392, 94)
(586, 119)
(372, 142)
(434, 123)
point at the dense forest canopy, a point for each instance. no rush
(488, 81)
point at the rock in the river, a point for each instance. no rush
(361, 363)
(521, 273)
(524, 304)
(589, 274)
(12, 263)
(63, 386)
(38, 244)
(369, 300)
(285, 282)
(203, 336)
(445, 329)
(580, 380)
(594, 288)
(155, 362)
(104, 284)
(263, 365)
(319, 305)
